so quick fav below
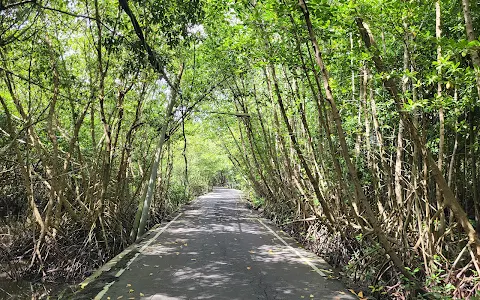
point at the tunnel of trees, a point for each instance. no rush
(353, 124)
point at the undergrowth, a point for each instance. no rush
(75, 252)
(363, 266)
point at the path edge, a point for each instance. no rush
(137, 245)
(313, 260)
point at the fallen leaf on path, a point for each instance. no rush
(129, 285)
(177, 253)
(360, 294)
(193, 259)
(150, 274)
(248, 268)
(311, 296)
(212, 252)
(119, 297)
(142, 294)
(185, 244)
(251, 251)
(131, 290)
(302, 296)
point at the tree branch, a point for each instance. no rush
(154, 61)
(8, 6)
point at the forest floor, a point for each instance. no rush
(218, 249)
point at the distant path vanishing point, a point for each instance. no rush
(217, 249)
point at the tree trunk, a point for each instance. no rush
(449, 197)
(441, 117)
(158, 155)
(326, 210)
(360, 196)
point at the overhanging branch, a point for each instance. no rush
(154, 61)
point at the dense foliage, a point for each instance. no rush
(83, 107)
(353, 123)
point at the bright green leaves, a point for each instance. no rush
(174, 18)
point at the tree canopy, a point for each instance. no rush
(354, 124)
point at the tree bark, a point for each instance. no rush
(360, 195)
(441, 116)
(158, 154)
(449, 197)
(331, 223)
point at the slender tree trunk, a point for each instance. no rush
(455, 148)
(473, 156)
(371, 157)
(322, 123)
(158, 154)
(26, 176)
(288, 160)
(101, 98)
(331, 223)
(361, 198)
(449, 197)
(384, 165)
(185, 160)
(441, 117)
(399, 154)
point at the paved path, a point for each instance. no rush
(218, 249)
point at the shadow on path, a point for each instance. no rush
(217, 249)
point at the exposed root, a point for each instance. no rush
(361, 264)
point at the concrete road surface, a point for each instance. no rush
(217, 249)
